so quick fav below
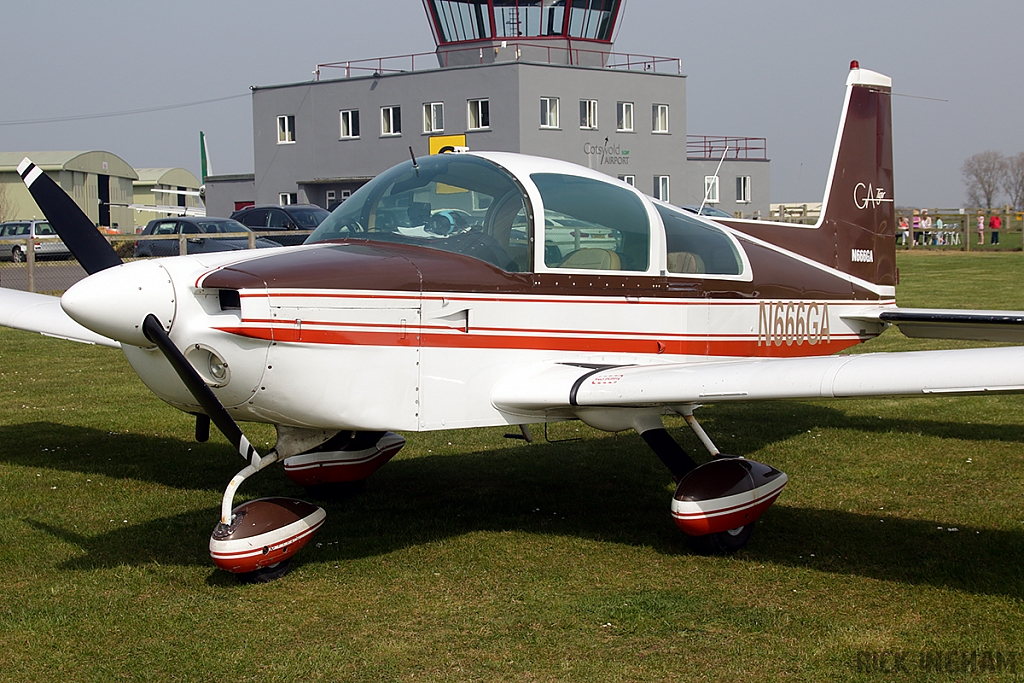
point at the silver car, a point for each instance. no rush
(47, 243)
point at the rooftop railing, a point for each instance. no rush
(715, 146)
(526, 52)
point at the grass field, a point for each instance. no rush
(896, 552)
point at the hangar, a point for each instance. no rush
(99, 182)
(147, 190)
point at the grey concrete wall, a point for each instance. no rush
(640, 153)
(223, 191)
(319, 160)
(760, 186)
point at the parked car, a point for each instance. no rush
(48, 244)
(281, 219)
(707, 211)
(195, 245)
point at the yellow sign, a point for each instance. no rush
(440, 144)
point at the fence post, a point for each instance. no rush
(30, 263)
(182, 244)
(252, 240)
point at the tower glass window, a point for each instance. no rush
(459, 20)
(465, 20)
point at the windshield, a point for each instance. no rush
(451, 202)
(222, 226)
(307, 219)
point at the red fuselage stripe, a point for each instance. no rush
(700, 346)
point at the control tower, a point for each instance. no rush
(571, 32)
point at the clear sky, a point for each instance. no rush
(772, 69)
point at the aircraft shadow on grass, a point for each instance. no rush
(609, 489)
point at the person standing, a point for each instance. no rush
(943, 239)
(981, 227)
(994, 223)
(904, 230)
(926, 227)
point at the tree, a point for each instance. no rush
(1014, 182)
(984, 174)
(6, 204)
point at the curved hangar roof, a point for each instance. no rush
(98, 162)
(167, 176)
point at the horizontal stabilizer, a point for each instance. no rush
(568, 388)
(936, 323)
(43, 314)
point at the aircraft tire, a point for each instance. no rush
(723, 542)
(266, 574)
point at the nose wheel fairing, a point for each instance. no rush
(725, 494)
(264, 533)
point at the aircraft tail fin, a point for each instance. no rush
(858, 206)
(856, 231)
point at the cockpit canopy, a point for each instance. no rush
(471, 205)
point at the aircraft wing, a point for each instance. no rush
(565, 388)
(198, 211)
(937, 323)
(43, 314)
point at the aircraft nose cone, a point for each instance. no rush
(115, 301)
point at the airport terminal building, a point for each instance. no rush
(533, 77)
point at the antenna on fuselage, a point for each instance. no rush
(413, 155)
(707, 189)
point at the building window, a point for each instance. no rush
(390, 120)
(549, 112)
(287, 198)
(661, 188)
(628, 179)
(349, 123)
(588, 114)
(711, 189)
(331, 196)
(285, 130)
(743, 189)
(433, 117)
(660, 115)
(624, 117)
(479, 114)
(345, 194)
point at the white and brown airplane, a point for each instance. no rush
(480, 289)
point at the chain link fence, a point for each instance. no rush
(37, 265)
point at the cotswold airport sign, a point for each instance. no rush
(607, 154)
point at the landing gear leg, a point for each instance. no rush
(258, 538)
(717, 503)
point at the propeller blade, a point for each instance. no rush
(74, 227)
(155, 333)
